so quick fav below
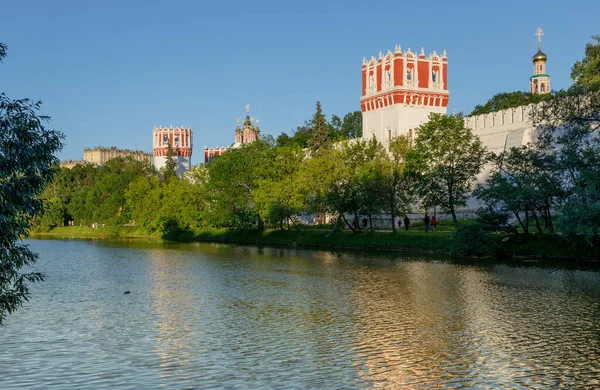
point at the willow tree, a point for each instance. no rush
(27, 163)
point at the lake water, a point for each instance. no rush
(220, 316)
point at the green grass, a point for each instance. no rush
(538, 245)
(438, 242)
(87, 232)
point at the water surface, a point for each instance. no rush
(220, 316)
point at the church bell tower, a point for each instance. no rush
(540, 81)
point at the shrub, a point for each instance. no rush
(473, 240)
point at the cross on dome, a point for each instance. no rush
(247, 109)
(540, 33)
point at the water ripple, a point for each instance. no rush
(218, 316)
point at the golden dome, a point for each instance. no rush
(540, 56)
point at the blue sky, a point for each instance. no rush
(109, 71)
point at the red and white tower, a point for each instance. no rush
(180, 139)
(540, 81)
(400, 90)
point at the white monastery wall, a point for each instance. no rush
(502, 130)
(499, 131)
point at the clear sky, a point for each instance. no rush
(109, 71)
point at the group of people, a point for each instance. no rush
(430, 223)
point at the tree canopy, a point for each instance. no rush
(338, 129)
(587, 71)
(555, 181)
(27, 163)
(320, 135)
(445, 160)
(505, 100)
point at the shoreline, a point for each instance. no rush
(532, 247)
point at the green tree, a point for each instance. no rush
(27, 163)
(524, 183)
(143, 199)
(334, 127)
(346, 180)
(398, 189)
(587, 71)
(568, 125)
(366, 158)
(279, 194)
(505, 100)
(282, 140)
(233, 180)
(316, 176)
(445, 160)
(351, 126)
(169, 171)
(320, 135)
(300, 136)
(54, 215)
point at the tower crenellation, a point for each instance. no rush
(181, 142)
(400, 89)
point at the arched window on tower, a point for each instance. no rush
(543, 88)
(388, 78)
(409, 76)
(434, 78)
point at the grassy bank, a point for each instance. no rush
(100, 232)
(549, 246)
(327, 239)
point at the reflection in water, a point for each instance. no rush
(208, 315)
(172, 315)
(426, 325)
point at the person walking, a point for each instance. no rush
(433, 224)
(406, 222)
(426, 222)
